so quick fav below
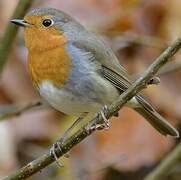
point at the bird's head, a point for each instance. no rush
(46, 28)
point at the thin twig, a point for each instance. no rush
(11, 31)
(43, 161)
(11, 111)
(143, 40)
(163, 169)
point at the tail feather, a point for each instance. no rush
(154, 118)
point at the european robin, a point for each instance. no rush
(75, 71)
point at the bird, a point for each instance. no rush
(76, 71)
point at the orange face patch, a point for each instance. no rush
(40, 38)
(47, 58)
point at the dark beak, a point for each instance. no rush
(21, 22)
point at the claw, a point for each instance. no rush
(53, 152)
(89, 128)
(105, 125)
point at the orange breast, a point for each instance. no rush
(52, 65)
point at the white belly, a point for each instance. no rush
(66, 102)
(88, 96)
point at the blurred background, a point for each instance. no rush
(138, 31)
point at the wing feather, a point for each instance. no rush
(111, 68)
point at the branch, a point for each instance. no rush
(127, 39)
(162, 170)
(43, 161)
(10, 111)
(11, 31)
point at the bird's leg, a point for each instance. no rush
(59, 142)
(75, 123)
(105, 125)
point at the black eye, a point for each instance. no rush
(47, 22)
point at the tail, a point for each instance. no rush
(154, 118)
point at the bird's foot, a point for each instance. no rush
(56, 145)
(105, 125)
(100, 126)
